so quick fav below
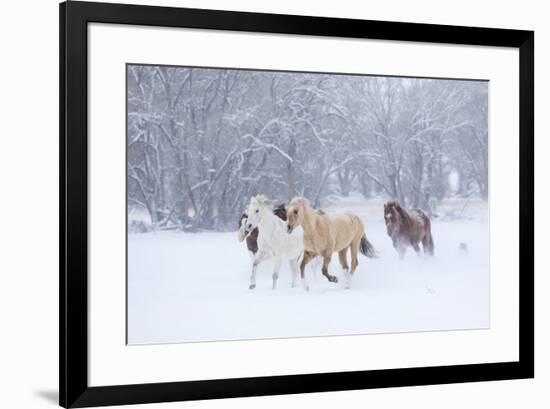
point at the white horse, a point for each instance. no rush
(273, 239)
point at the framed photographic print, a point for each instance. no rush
(256, 204)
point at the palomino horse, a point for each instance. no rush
(324, 234)
(273, 239)
(408, 229)
(252, 237)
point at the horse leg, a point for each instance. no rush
(294, 268)
(342, 255)
(277, 268)
(401, 250)
(331, 278)
(315, 267)
(308, 256)
(428, 244)
(354, 251)
(416, 248)
(354, 247)
(258, 258)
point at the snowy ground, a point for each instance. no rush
(194, 286)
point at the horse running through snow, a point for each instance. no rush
(408, 229)
(325, 234)
(273, 239)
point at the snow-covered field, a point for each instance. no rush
(194, 286)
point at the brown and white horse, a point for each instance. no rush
(408, 229)
(273, 240)
(325, 234)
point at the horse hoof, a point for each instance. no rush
(333, 279)
(252, 286)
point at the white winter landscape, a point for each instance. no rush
(186, 287)
(201, 142)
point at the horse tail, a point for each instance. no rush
(428, 240)
(366, 247)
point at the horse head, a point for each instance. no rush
(295, 213)
(392, 216)
(258, 207)
(242, 226)
(280, 212)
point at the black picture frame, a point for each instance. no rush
(73, 303)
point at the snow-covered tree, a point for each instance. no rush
(202, 141)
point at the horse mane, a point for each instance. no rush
(299, 201)
(262, 200)
(402, 212)
(280, 211)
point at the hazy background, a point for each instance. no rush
(202, 141)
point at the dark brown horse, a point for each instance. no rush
(252, 237)
(408, 229)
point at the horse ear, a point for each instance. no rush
(264, 200)
(298, 201)
(303, 201)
